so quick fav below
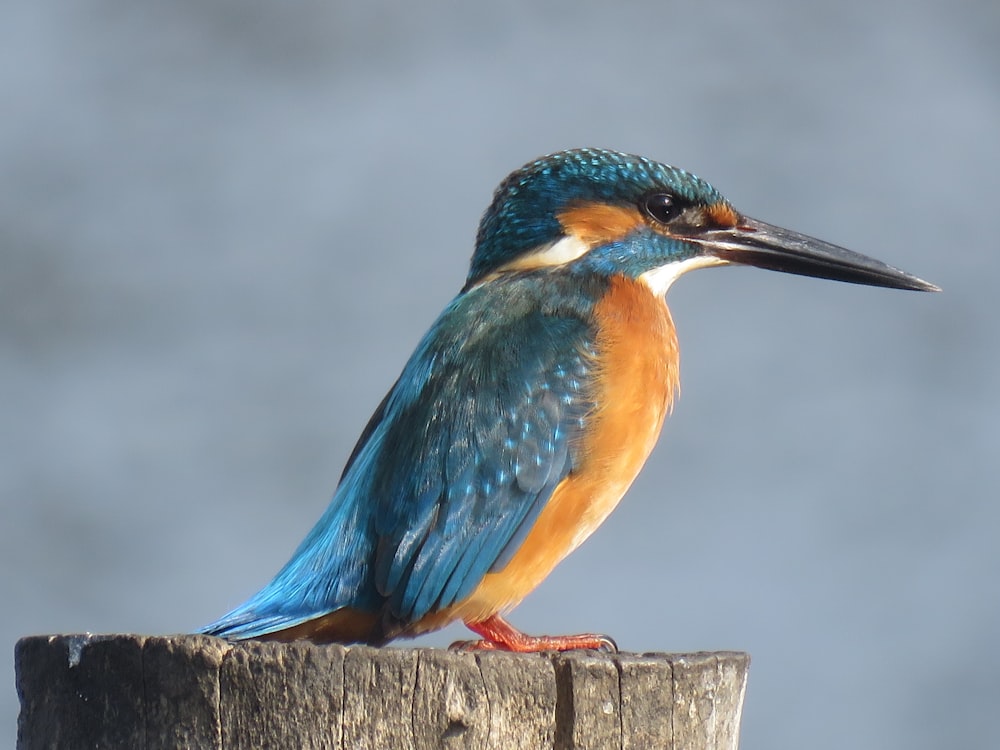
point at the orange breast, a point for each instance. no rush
(636, 380)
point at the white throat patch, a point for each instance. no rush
(659, 279)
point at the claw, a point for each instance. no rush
(608, 644)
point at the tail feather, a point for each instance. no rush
(346, 625)
(244, 622)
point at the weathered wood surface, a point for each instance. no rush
(139, 692)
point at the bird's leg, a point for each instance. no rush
(500, 635)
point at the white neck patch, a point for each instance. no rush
(659, 279)
(558, 253)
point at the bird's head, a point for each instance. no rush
(613, 213)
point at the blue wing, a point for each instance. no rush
(453, 468)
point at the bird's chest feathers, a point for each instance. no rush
(637, 373)
(635, 383)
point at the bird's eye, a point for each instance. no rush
(662, 207)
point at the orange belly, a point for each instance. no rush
(635, 382)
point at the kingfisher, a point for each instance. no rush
(527, 409)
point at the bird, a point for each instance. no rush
(528, 408)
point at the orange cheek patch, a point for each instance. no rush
(722, 215)
(598, 223)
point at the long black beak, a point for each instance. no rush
(755, 243)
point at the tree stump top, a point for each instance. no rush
(129, 691)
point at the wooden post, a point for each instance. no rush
(128, 691)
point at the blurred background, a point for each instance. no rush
(224, 226)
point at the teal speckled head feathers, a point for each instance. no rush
(523, 214)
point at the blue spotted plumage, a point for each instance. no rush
(527, 409)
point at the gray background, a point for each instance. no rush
(224, 225)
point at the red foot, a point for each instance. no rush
(500, 635)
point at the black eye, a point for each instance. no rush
(663, 207)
